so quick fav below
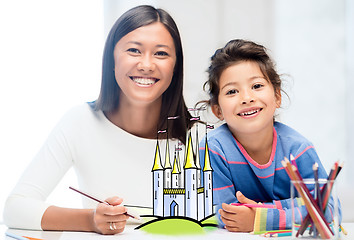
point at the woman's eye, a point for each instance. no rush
(256, 86)
(133, 50)
(161, 53)
(230, 92)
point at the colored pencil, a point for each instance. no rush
(100, 201)
(318, 194)
(31, 238)
(270, 231)
(310, 204)
(265, 233)
(343, 230)
(315, 204)
(318, 190)
(254, 205)
(284, 234)
(329, 185)
(15, 236)
(325, 194)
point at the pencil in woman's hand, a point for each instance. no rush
(100, 201)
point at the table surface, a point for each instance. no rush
(130, 233)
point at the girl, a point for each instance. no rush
(142, 84)
(246, 152)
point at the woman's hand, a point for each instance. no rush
(238, 218)
(110, 219)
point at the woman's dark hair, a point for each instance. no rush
(173, 103)
(234, 52)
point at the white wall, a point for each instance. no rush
(50, 60)
(311, 44)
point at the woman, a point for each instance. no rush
(142, 84)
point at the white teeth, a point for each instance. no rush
(144, 81)
(249, 113)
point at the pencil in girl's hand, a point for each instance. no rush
(135, 216)
(254, 205)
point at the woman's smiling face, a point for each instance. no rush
(144, 63)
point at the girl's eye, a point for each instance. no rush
(230, 92)
(161, 53)
(133, 50)
(257, 86)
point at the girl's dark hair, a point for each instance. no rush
(173, 103)
(234, 52)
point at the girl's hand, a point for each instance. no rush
(238, 218)
(107, 217)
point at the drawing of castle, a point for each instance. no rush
(177, 193)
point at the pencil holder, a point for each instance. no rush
(314, 209)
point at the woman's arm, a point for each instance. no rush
(57, 218)
(99, 220)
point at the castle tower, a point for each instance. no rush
(157, 170)
(181, 175)
(197, 160)
(167, 167)
(208, 183)
(176, 173)
(200, 189)
(190, 176)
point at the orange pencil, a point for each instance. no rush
(31, 238)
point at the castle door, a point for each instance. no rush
(174, 209)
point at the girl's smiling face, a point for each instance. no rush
(247, 100)
(144, 63)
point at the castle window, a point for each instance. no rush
(158, 183)
(158, 175)
(206, 193)
(193, 176)
(209, 186)
(155, 195)
(209, 176)
(188, 195)
(168, 174)
(193, 187)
